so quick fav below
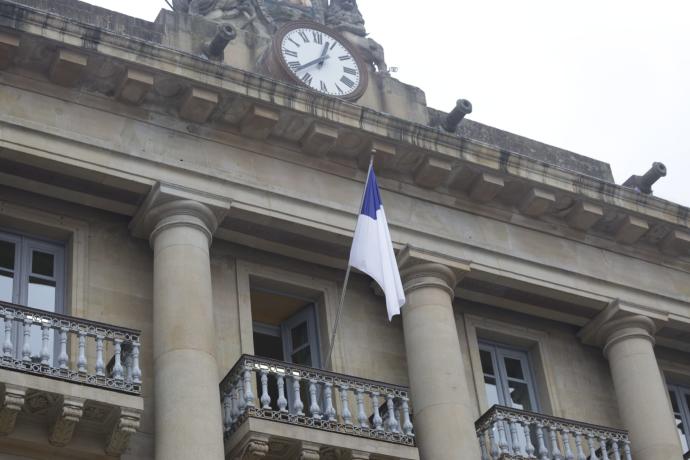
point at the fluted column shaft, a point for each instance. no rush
(443, 416)
(187, 398)
(640, 389)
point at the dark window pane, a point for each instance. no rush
(6, 286)
(268, 346)
(487, 364)
(300, 335)
(519, 394)
(514, 368)
(674, 401)
(41, 294)
(491, 391)
(303, 357)
(43, 264)
(7, 255)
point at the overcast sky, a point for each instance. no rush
(609, 79)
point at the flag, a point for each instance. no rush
(372, 250)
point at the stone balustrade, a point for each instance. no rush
(506, 433)
(298, 395)
(40, 342)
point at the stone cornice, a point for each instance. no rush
(216, 92)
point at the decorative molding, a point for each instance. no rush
(63, 429)
(256, 447)
(127, 425)
(309, 451)
(419, 268)
(13, 401)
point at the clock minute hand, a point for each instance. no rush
(311, 63)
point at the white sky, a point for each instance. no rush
(609, 79)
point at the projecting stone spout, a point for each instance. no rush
(462, 108)
(215, 48)
(643, 184)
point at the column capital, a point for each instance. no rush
(419, 268)
(622, 320)
(168, 205)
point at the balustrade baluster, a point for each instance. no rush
(248, 395)
(616, 450)
(393, 425)
(265, 398)
(555, 451)
(241, 402)
(136, 370)
(26, 348)
(8, 345)
(81, 360)
(45, 338)
(234, 408)
(502, 440)
(282, 401)
(578, 446)
(298, 408)
(407, 423)
(543, 451)
(129, 368)
(482, 446)
(592, 448)
(361, 415)
(314, 408)
(227, 410)
(100, 365)
(346, 414)
(529, 448)
(514, 437)
(626, 449)
(493, 445)
(566, 445)
(604, 451)
(378, 421)
(63, 357)
(328, 396)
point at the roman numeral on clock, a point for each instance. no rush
(303, 34)
(324, 87)
(294, 42)
(307, 78)
(290, 53)
(294, 65)
(350, 70)
(345, 58)
(318, 37)
(346, 81)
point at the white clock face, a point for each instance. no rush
(321, 62)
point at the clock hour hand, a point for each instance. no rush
(323, 54)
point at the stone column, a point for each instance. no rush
(187, 398)
(640, 388)
(444, 425)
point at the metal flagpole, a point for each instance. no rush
(327, 362)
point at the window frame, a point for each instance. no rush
(680, 392)
(499, 352)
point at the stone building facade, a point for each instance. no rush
(175, 221)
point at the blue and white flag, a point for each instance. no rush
(372, 250)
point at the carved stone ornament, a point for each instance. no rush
(11, 406)
(63, 430)
(256, 449)
(126, 426)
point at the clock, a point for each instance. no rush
(312, 55)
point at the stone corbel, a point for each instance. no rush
(70, 414)
(309, 451)
(256, 447)
(620, 315)
(125, 427)
(13, 401)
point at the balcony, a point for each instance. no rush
(277, 410)
(70, 378)
(506, 433)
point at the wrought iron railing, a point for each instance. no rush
(54, 335)
(299, 395)
(506, 433)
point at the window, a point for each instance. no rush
(32, 275)
(508, 377)
(680, 400)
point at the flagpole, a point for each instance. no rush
(347, 276)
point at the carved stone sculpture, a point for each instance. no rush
(345, 17)
(12, 405)
(126, 426)
(70, 414)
